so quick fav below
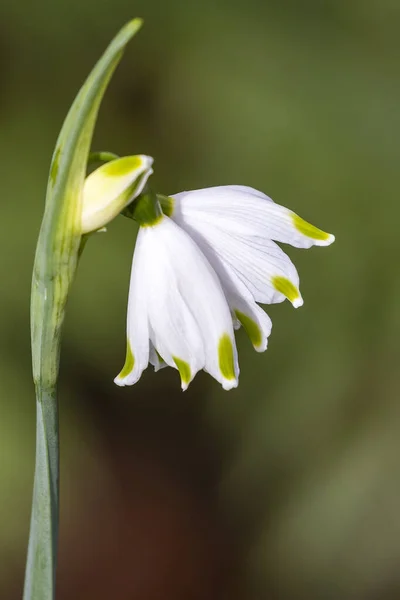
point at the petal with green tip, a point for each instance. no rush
(226, 362)
(251, 327)
(137, 323)
(253, 260)
(155, 359)
(288, 289)
(321, 238)
(248, 212)
(184, 371)
(129, 362)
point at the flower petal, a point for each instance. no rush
(252, 317)
(174, 333)
(244, 309)
(190, 321)
(245, 211)
(264, 269)
(155, 359)
(137, 353)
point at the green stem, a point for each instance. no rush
(43, 537)
(52, 278)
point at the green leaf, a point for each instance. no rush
(59, 239)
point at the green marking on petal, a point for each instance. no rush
(152, 222)
(309, 230)
(122, 166)
(160, 358)
(225, 357)
(184, 370)
(167, 204)
(251, 328)
(129, 362)
(286, 287)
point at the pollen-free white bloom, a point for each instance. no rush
(236, 228)
(199, 270)
(177, 311)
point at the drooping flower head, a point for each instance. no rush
(203, 260)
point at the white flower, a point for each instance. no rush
(236, 228)
(177, 311)
(200, 269)
(111, 187)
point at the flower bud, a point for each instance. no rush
(111, 187)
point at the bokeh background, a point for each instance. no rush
(288, 487)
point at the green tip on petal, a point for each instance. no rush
(129, 363)
(251, 328)
(122, 166)
(184, 371)
(288, 289)
(161, 362)
(225, 358)
(312, 232)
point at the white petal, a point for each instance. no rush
(174, 333)
(190, 322)
(243, 307)
(246, 189)
(137, 354)
(243, 210)
(266, 271)
(155, 359)
(245, 311)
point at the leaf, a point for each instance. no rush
(56, 259)
(60, 238)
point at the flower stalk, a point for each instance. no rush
(57, 255)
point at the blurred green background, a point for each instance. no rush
(289, 486)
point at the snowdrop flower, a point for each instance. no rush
(199, 269)
(177, 311)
